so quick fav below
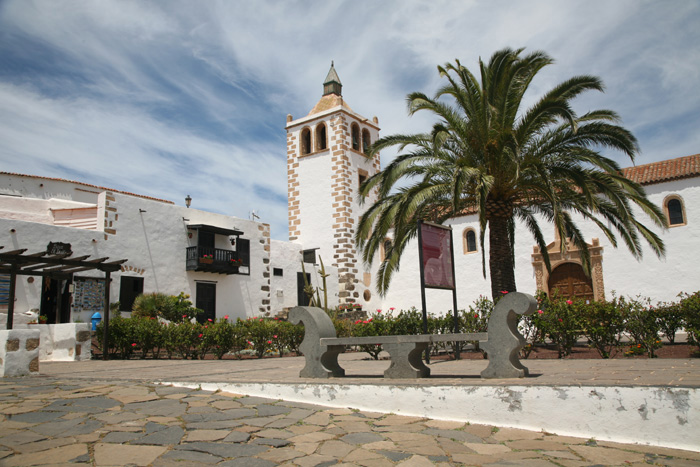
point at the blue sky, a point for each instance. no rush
(169, 98)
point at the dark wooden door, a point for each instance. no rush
(206, 300)
(302, 298)
(570, 280)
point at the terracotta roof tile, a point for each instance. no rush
(664, 171)
(328, 102)
(88, 184)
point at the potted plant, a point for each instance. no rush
(206, 259)
(43, 319)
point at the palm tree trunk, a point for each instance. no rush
(501, 265)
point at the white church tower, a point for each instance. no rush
(326, 162)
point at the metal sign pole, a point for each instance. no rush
(454, 296)
(422, 287)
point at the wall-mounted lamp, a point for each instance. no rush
(142, 210)
(188, 201)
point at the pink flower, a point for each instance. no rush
(504, 292)
(275, 336)
(209, 319)
(358, 321)
(392, 308)
(561, 320)
(369, 320)
(365, 322)
(200, 335)
(184, 316)
(569, 302)
(133, 345)
(205, 327)
(269, 342)
(250, 343)
(540, 311)
(226, 317)
(379, 310)
(476, 315)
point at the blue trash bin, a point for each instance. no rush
(96, 318)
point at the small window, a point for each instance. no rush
(365, 141)
(321, 141)
(355, 133)
(675, 211)
(469, 239)
(277, 272)
(361, 177)
(310, 256)
(305, 141)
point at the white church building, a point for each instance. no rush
(231, 266)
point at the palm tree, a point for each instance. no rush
(486, 155)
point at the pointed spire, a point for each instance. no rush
(332, 84)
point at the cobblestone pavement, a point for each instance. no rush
(58, 421)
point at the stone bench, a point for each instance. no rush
(502, 343)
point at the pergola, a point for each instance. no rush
(57, 260)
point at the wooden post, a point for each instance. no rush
(11, 297)
(105, 337)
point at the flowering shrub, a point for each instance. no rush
(147, 336)
(560, 322)
(642, 324)
(603, 323)
(690, 308)
(670, 316)
(259, 332)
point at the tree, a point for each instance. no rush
(486, 155)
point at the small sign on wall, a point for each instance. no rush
(57, 248)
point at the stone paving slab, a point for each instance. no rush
(136, 432)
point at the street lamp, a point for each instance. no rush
(188, 201)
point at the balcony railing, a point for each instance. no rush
(214, 260)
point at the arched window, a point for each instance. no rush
(675, 211)
(321, 141)
(355, 134)
(305, 141)
(469, 241)
(365, 141)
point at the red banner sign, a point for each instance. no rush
(437, 256)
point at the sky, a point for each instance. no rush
(167, 98)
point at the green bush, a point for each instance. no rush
(671, 319)
(148, 335)
(603, 324)
(690, 308)
(642, 324)
(121, 337)
(560, 322)
(259, 332)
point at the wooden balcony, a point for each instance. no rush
(214, 260)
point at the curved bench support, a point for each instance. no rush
(504, 341)
(321, 360)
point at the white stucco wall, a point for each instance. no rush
(315, 203)
(287, 256)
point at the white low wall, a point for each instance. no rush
(656, 416)
(19, 352)
(68, 342)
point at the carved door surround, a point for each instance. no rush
(571, 254)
